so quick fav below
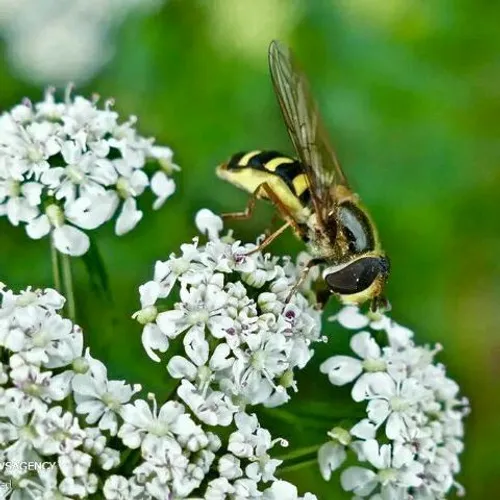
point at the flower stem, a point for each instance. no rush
(68, 286)
(297, 466)
(56, 271)
(290, 418)
(300, 452)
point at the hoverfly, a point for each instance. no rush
(312, 194)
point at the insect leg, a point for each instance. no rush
(247, 213)
(312, 263)
(270, 238)
(283, 210)
(380, 304)
(275, 200)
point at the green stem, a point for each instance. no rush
(69, 403)
(300, 465)
(290, 418)
(68, 286)
(300, 452)
(56, 271)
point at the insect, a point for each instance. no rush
(312, 194)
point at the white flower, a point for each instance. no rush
(50, 340)
(395, 402)
(283, 489)
(141, 422)
(212, 407)
(22, 200)
(99, 398)
(241, 345)
(17, 443)
(418, 404)
(157, 452)
(25, 307)
(75, 463)
(331, 455)
(85, 174)
(180, 367)
(37, 386)
(397, 471)
(163, 187)
(344, 369)
(200, 306)
(67, 239)
(219, 489)
(208, 223)
(80, 486)
(82, 164)
(76, 49)
(350, 317)
(242, 442)
(58, 432)
(229, 467)
(153, 338)
(128, 218)
(116, 488)
(255, 370)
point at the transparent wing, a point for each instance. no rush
(305, 128)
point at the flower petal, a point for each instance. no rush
(180, 367)
(39, 227)
(364, 345)
(341, 369)
(128, 218)
(153, 339)
(350, 317)
(149, 293)
(330, 457)
(196, 346)
(208, 223)
(364, 429)
(359, 480)
(378, 410)
(70, 240)
(163, 187)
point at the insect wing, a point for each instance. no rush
(305, 128)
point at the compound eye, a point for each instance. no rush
(355, 277)
(356, 228)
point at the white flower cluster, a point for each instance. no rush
(114, 445)
(68, 166)
(241, 341)
(408, 444)
(60, 41)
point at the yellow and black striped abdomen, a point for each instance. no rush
(283, 174)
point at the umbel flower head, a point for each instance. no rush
(116, 445)
(241, 341)
(408, 444)
(71, 166)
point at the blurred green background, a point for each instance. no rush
(410, 92)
